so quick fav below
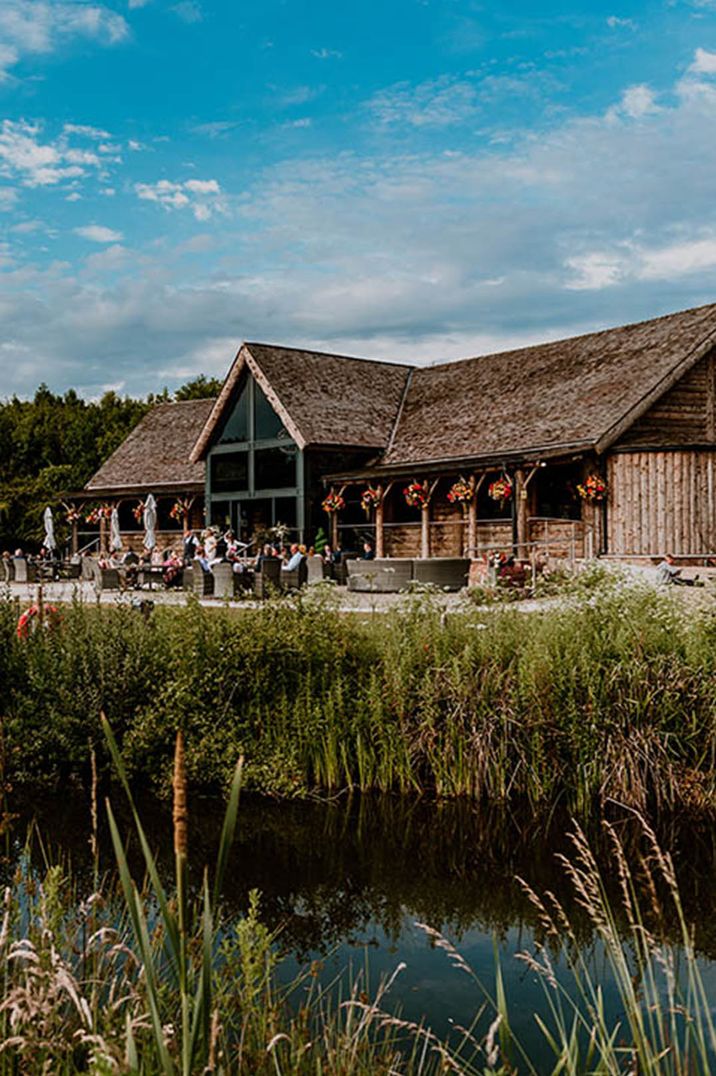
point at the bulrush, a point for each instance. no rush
(180, 812)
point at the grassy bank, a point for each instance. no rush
(610, 698)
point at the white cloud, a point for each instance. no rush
(215, 128)
(134, 146)
(30, 27)
(440, 102)
(678, 259)
(593, 271)
(110, 260)
(704, 62)
(34, 159)
(300, 95)
(37, 164)
(202, 196)
(98, 233)
(636, 101)
(327, 54)
(82, 129)
(188, 11)
(8, 197)
(614, 22)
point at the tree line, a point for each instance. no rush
(52, 444)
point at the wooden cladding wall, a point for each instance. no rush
(662, 502)
(685, 415)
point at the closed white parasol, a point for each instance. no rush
(150, 523)
(115, 538)
(49, 522)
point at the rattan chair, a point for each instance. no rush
(224, 580)
(296, 578)
(267, 578)
(203, 581)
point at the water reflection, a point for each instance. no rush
(330, 873)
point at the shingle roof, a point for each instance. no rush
(156, 452)
(322, 398)
(581, 391)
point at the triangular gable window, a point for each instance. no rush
(268, 424)
(236, 427)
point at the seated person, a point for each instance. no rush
(202, 558)
(368, 551)
(172, 574)
(669, 575)
(267, 553)
(294, 559)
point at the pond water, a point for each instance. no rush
(347, 881)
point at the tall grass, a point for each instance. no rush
(606, 699)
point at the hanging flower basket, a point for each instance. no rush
(500, 490)
(73, 515)
(370, 498)
(416, 495)
(594, 488)
(461, 492)
(138, 512)
(99, 512)
(333, 503)
(180, 509)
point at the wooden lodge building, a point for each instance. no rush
(599, 444)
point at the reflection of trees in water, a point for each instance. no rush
(328, 871)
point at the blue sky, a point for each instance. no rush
(405, 179)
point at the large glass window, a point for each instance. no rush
(274, 468)
(285, 511)
(237, 424)
(220, 514)
(229, 471)
(268, 424)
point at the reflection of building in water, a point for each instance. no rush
(604, 442)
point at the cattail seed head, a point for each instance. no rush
(180, 812)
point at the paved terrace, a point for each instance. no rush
(349, 601)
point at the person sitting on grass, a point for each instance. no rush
(669, 575)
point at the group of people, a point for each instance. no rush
(46, 561)
(212, 548)
(206, 549)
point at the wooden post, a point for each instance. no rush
(521, 512)
(379, 533)
(102, 535)
(75, 538)
(334, 530)
(475, 485)
(425, 531)
(425, 521)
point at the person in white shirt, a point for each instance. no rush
(294, 560)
